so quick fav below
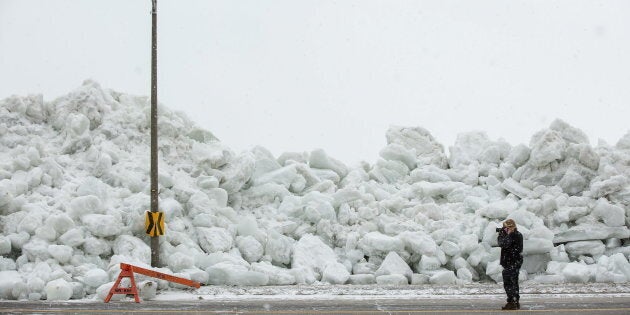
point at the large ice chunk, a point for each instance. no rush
(279, 247)
(225, 273)
(591, 232)
(397, 152)
(96, 277)
(83, 205)
(335, 273)
(102, 225)
(9, 280)
(214, 239)
(393, 264)
(58, 290)
(419, 139)
(576, 272)
(443, 277)
(313, 255)
(611, 215)
(133, 247)
(374, 243)
(277, 275)
(547, 146)
(592, 248)
(251, 249)
(319, 159)
(476, 147)
(237, 172)
(608, 186)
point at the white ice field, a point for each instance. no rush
(74, 186)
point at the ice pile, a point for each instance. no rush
(74, 185)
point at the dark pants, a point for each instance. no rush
(510, 284)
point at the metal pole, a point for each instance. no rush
(155, 241)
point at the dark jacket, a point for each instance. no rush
(511, 249)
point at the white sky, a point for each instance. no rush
(298, 75)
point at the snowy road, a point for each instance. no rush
(449, 304)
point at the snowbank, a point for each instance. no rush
(74, 184)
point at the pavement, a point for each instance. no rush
(474, 298)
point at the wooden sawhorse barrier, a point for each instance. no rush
(126, 271)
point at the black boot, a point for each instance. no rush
(510, 306)
(518, 305)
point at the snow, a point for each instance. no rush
(74, 185)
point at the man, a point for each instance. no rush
(511, 242)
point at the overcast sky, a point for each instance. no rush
(298, 75)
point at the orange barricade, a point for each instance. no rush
(126, 271)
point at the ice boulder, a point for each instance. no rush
(61, 222)
(5, 245)
(547, 146)
(569, 133)
(443, 277)
(428, 263)
(335, 273)
(61, 253)
(428, 151)
(214, 239)
(36, 249)
(476, 147)
(228, 274)
(276, 275)
(591, 232)
(608, 186)
(96, 277)
(83, 205)
(576, 272)
(210, 155)
(319, 159)
(250, 248)
(536, 245)
(313, 255)
(285, 176)
(498, 210)
(58, 290)
(465, 275)
(102, 225)
(279, 247)
(132, 247)
(374, 243)
(103, 290)
(237, 172)
(397, 152)
(519, 155)
(619, 264)
(9, 280)
(7, 264)
(393, 264)
(179, 261)
(389, 171)
(611, 215)
(592, 248)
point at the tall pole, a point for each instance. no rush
(155, 241)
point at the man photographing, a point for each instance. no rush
(511, 242)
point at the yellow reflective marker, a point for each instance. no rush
(154, 223)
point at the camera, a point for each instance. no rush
(499, 230)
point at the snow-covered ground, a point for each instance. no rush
(74, 186)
